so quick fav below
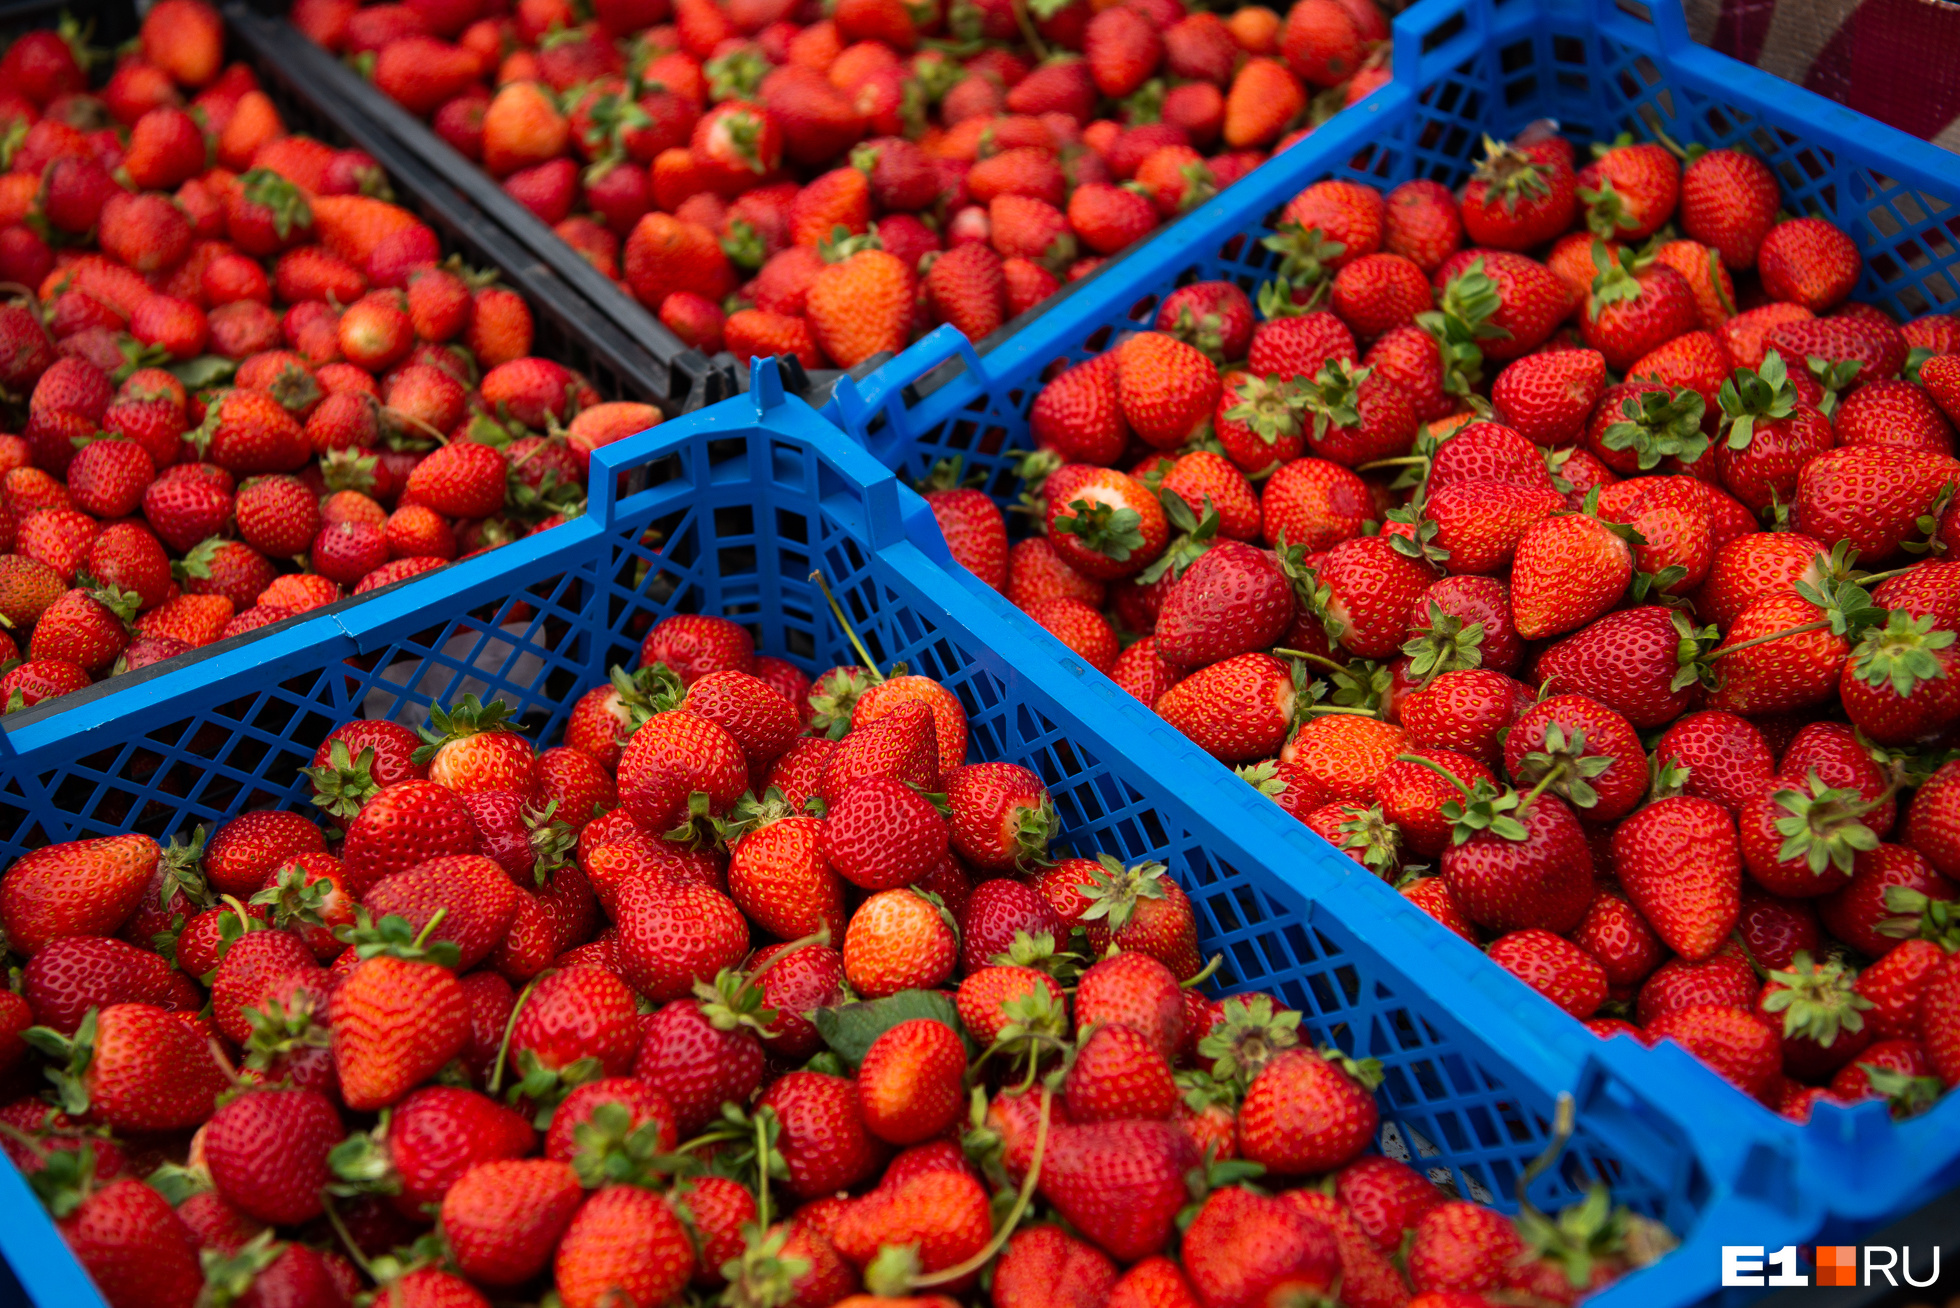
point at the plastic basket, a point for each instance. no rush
(748, 498)
(696, 380)
(1464, 68)
(565, 327)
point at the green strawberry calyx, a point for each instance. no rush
(228, 1278)
(1565, 753)
(1834, 376)
(1816, 1001)
(68, 1060)
(1307, 254)
(345, 782)
(456, 722)
(1369, 835)
(1510, 175)
(1483, 807)
(1461, 319)
(1658, 425)
(1613, 281)
(1586, 1232)
(1824, 827)
(1249, 1032)
(1195, 535)
(1334, 397)
(1908, 1095)
(1902, 654)
(395, 936)
(1269, 407)
(1446, 643)
(1918, 916)
(1606, 210)
(1115, 892)
(1747, 398)
(1103, 528)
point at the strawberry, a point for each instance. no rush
(1265, 99)
(1237, 710)
(267, 1152)
(1629, 189)
(1379, 292)
(74, 888)
(1789, 671)
(133, 1067)
(1730, 1040)
(1307, 1112)
(1042, 1265)
(1728, 201)
(1216, 317)
(1892, 413)
(1872, 496)
(1251, 1245)
(823, 1144)
(397, 1016)
(1691, 902)
(1567, 571)
(1120, 1184)
(1322, 42)
(623, 1240)
(1530, 300)
(74, 974)
(1807, 261)
(1521, 195)
(1548, 397)
(861, 306)
(1515, 863)
(1555, 967)
(967, 288)
(1122, 48)
(1165, 388)
(673, 935)
(130, 1241)
(504, 1218)
(908, 1086)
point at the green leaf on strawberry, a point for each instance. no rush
(1445, 644)
(1817, 1001)
(1659, 424)
(1900, 654)
(1195, 535)
(1823, 827)
(849, 1029)
(1763, 395)
(1907, 1095)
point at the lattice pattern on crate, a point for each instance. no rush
(744, 547)
(1596, 87)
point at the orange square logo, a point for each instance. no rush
(1837, 1264)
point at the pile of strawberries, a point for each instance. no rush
(785, 177)
(228, 357)
(1586, 577)
(751, 990)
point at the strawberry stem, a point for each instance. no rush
(1563, 1115)
(1439, 770)
(347, 1239)
(1203, 974)
(1550, 776)
(1774, 635)
(503, 1046)
(1324, 661)
(947, 1276)
(422, 936)
(850, 632)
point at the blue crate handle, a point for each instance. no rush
(853, 403)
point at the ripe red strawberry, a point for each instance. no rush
(1730, 1040)
(133, 1245)
(397, 1017)
(1305, 1112)
(1555, 967)
(134, 1067)
(267, 1152)
(1728, 201)
(1461, 1247)
(1629, 190)
(1807, 261)
(1872, 496)
(1567, 571)
(1531, 301)
(823, 1143)
(1001, 815)
(967, 288)
(1679, 861)
(1521, 195)
(1118, 1183)
(1522, 867)
(75, 888)
(1789, 672)
(463, 479)
(623, 1240)
(504, 1218)
(908, 1086)
(1165, 387)
(1216, 317)
(1548, 397)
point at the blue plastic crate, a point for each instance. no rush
(750, 496)
(1464, 68)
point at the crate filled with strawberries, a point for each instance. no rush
(1572, 548)
(251, 371)
(828, 181)
(758, 912)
